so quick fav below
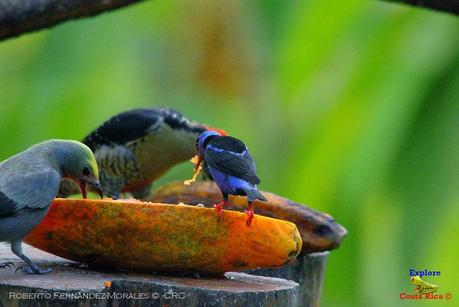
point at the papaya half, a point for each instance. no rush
(319, 231)
(143, 236)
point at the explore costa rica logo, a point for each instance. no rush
(424, 290)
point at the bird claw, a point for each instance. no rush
(218, 208)
(34, 270)
(10, 265)
(250, 218)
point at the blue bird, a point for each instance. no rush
(231, 166)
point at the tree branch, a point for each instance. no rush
(450, 6)
(21, 16)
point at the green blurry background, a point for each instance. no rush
(350, 107)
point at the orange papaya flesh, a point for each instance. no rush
(144, 236)
(319, 231)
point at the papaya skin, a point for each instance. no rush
(142, 236)
(319, 231)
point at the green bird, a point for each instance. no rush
(136, 147)
(30, 180)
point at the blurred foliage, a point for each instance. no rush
(351, 108)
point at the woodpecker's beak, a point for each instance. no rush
(196, 167)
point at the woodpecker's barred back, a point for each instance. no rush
(135, 124)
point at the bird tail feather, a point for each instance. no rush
(253, 194)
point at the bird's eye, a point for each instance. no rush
(86, 171)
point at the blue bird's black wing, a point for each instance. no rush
(230, 156)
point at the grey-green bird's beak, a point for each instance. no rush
(94, 186)
(97, 188)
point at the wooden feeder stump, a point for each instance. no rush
(308, 271)
(73, 285)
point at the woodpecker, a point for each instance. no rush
(136, 147)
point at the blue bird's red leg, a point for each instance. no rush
(219, 207)
(250, 214)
